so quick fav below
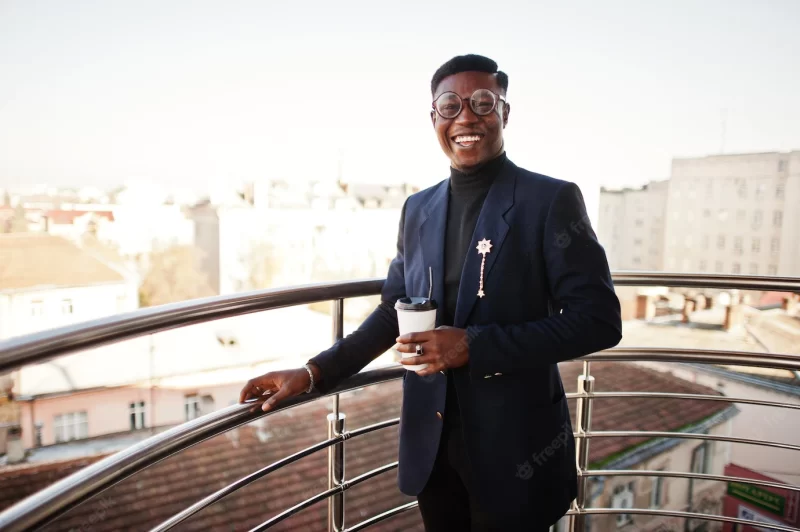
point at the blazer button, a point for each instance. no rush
(439, 415)
(498, 374)
(487, 376)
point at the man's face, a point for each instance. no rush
(489, 128)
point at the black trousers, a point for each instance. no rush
(447, 503)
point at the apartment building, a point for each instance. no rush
(728, 214)
(631, 226)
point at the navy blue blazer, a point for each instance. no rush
(549, 298)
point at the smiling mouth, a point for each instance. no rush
(467, 141)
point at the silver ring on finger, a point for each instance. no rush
(418, 349)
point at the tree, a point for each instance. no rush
(19, 223)
(264, 266)
(173, 275)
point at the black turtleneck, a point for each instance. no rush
(467, 194)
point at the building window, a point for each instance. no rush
(623, 498)
(722, 215)
(737, 268)
(756, 245)
(706, 213)
(657, 493)
(191, 407)
(741, 215)
(737, 245)
(777, 218)
(775, 246)
(758, 216)
(753, 268)
(780, 190)
(718, 266)
(743, 189)
(137, 411)
(701, 458)
(760, 191)
(71, 426)
(37, 308)
(705, 241)
(772, 269)
(721, 242)
(66, 306)
(639, 222)
(701, 265)
(637, 242)
(637, 260)
(781, 166)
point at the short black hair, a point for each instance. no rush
(468, 63)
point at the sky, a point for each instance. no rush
(194, 93)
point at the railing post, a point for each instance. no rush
(583, 418)
(336, 427)
(336, 473)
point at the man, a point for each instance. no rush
(522, 284)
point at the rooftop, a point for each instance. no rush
(69, 216)
(35, 260)
(215, 463)
(772, 331)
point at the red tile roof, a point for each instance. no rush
(29, 260)
(162, 490)
(637, 414)
(68, 217)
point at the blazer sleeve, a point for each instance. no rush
(586, 316)
(375, 336)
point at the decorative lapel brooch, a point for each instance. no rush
(484, 247)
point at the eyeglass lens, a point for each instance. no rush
(482, 102)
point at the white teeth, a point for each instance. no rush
(463, 138)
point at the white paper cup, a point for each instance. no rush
(415, 314)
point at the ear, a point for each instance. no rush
(433, 118)
(506, 111)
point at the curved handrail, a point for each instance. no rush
(39, 347)
(698, 356)
(58, 498)
(46, 345)
(707, 281)
(65, 494)
(681, 515)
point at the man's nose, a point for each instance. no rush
(467, 115)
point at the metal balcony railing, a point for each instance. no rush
(55, 500)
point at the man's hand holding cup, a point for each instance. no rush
(439, 349)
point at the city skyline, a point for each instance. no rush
(176, 93)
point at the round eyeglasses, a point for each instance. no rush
(482, 102)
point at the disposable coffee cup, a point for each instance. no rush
(415, 314)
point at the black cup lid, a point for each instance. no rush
(415, 303)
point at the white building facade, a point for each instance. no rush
(730, 214)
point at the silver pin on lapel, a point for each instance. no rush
(484, 247)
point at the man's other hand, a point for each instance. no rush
(442, 348)
(276, 386)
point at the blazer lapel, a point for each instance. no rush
(492, 226)
(431, 237)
